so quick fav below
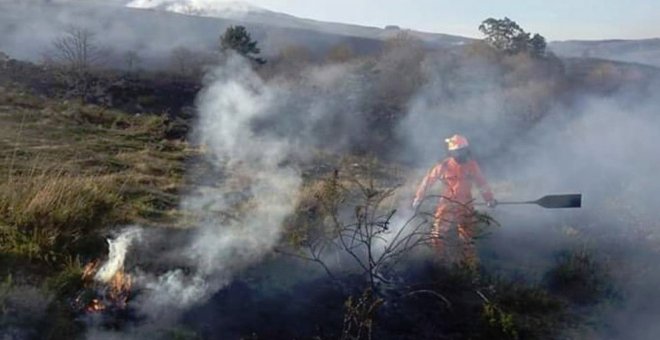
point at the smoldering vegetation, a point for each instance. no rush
(295, 151)
(546, 273)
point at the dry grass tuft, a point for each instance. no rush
(45, 212)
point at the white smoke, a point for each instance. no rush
(575, 151)
(603, 146)
(117, 249)
(234, 97)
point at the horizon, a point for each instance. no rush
(557, 21)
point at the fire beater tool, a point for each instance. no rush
(551, 201)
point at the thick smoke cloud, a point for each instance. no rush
(29, 28)
(252, 128)
(222, 247)
(603, 146)
(255, 133)
(529, 137)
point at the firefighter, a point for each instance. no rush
(458, 173)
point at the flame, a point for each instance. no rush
(90, 270)
(95, 306)
(107, 283)
(120, 288)
(113, 293)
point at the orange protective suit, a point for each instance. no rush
(455, 206)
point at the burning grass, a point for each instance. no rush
(113, 168)
(100, 294)
(69, 173)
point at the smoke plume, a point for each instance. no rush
(257, 182)
(118, 248)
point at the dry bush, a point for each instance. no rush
(312, 218)
(348, 216)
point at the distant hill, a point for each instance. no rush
(29, 27)
(243, 11)
(156, 27)
(645, 51)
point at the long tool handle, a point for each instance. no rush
(514, 202)
(551, 201)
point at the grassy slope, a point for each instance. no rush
(66, 164)
(70, 172)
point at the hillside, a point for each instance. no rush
(310, 198)
(245, 12)
(156, 28)
(223, 225)
(30, 27)
(646, 51)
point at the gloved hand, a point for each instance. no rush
(492, 203)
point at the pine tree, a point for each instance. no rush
(238, 39)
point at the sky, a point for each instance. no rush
(556, 20)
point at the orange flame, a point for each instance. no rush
(112, 293)
(95, 306)
(119, 289)
(90, 270)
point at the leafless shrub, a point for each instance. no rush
(368, 238)
(353, 219)
(75, 55)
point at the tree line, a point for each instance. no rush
(79, 51)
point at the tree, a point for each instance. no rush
(537, 45)
(238, 39)
(507, 36)
(75, 54)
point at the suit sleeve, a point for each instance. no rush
(482, 184)
(431, 177)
